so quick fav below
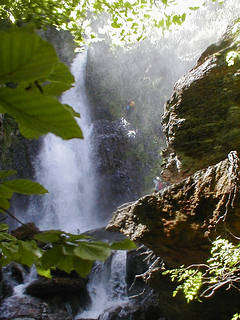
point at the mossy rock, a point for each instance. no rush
(202, 118)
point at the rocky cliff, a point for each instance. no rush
(201, 123)
(201, 119)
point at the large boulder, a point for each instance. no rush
(201, 119)
(60, 291)
(178, 222)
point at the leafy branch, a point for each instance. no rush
(222, 270)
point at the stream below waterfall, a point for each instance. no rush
(67, 170)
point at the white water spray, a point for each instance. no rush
(66, 169)
(107, 286)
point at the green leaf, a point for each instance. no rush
(74, 237)
(66, 263)
(92, 251)
(10, 252)
(55, 88)
(51, 257)
(5, 192)
(5, 204)
(49, 236)
(125, 244)
(38, 114)
(44, 272)
(82, 267)
(24, 56)
(72, 111)
(24, 186)
(4, 236)
(193, 8)
(61, 73)
(3, 227)
(7, 173)
(29, 252)
(116, 25)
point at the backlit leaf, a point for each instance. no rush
(92, 251)
(49, 236)
(125, 244)
(24, 186)
(24, 56)
(38, 114)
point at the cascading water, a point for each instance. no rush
(66, 169)
(107, 296)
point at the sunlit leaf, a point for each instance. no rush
(125, 244)
(24, 186)
(49, 236)
(38, 114)
(82, 267)
(24, 56)
(92, 251)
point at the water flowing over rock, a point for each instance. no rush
(116, 166)
(201, 121)
(178, 222)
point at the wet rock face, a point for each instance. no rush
(115, 167)
(133, 312)
(201, 121)
(177, 222)
(25, 307)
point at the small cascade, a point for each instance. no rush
(107, 286)
(18, 289)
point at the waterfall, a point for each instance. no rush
(66, 169)
(107, 286)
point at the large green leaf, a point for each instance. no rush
(83, 267)
(24, 186)
(66, 263)
(125, 244)
(5, 192)
(61, 73)
(92, 251)
(49, 236)
(38, 114)
(51, 257)
(59, 80)
(24, 56)
(29, 252)
(55, 88)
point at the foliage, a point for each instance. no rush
(123, 19)
(222, 270)
(25, 79)
(8, 187)
(58, 249)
